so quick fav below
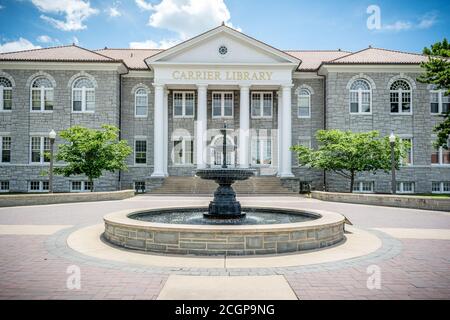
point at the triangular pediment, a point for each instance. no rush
(223, 45)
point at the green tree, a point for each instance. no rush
(437, 72)
(90, 152)
(347, 153)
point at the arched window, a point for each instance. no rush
(360, 97)
(5, 94)
(400, 97)
(41, 95)
(304, 103)
(83, 95)
(141, 102)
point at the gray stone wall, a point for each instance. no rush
(21, 123)
(419, 126)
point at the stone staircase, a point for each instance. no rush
(195, 185)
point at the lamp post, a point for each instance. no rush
(392, 139)
(51, 137)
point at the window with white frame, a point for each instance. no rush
(405, 187)
(400, 97)
(141, 102)
(439, 102)
(4, 186)
(360, 97)
(408, 159)
(5, 94)
(140, 152)
(38, 186)
(183, 151)
(261, 151)
(440, 156)
(39, 149)
(80, 186)
(261, 104)
(363, 186)
(440, 187)
(83, 95)
(139, 186)
(41, 95)
(222, 104)
(183, 104)
(5, 149)
(304, 103)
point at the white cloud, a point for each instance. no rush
(425, 22)
(18, 45)
(1, 7)
(113, 12)
(45, 39)
(144, 5)
(187, 18)
(75, 11)
(150, 44)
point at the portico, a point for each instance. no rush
(212, 81)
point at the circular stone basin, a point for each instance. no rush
(268, 231)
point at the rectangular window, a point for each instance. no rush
(261, 104)
(80, 186)
(439, 102)
(83, 100)
(440, 187)
(183, 152)
(38, 186)
(36, 100)
(261, 150)
(5, 149)
(141, 104)
(77, 100)
(140, 151)
(40, 148)
(222, 104)
(139, 186)
(363, 186)
(354, 102)
(440, 156)
(304, 106)
(48, 100)
(405, 187)
(7, 99)
(408, 160)
(394, 102)
(434, 97)
(183, 104)
(4, 186)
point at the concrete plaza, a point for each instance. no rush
(410, 260)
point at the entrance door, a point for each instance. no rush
(217, 152)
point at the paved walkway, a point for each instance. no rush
(36, 263)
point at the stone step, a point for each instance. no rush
(195, 185)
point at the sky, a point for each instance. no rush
(285, 24)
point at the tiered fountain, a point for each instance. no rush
(224, 228)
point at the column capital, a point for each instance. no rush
(158, 85)
(202, 86)
(286, 86)
(244, 86)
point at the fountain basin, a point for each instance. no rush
(320, 230)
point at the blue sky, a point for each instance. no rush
(320, 24)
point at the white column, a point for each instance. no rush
(166, 130)
(158, 125)
(286, 133)
(202, 121)
(280, 125)
(244, 127)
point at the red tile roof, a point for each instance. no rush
(61, 53)
(312, 59)
(380, 56)
(133, 58)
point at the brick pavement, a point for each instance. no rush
(30, 268)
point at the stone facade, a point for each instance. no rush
(20, 124)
